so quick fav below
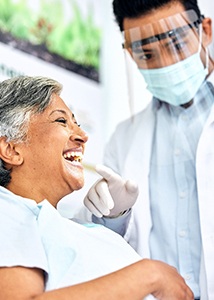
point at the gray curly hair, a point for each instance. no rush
(20, 98)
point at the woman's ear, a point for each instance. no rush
(207, 30)
(9, 152)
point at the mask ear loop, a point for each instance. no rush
(207, 60)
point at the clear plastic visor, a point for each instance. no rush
(164, 42)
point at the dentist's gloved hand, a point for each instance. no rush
(111, 195)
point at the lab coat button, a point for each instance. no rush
(177, 152)
(182, 233)
(187, 277)
(182, 195)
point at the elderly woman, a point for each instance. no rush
(42, 254)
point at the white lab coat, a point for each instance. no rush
(128, 153)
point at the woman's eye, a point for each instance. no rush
(61, 120)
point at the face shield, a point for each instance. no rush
(168, 55)
(164, 42)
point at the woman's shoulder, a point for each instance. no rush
(20, 239)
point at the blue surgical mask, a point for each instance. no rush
(177, 84)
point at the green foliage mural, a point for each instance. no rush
(77, 38)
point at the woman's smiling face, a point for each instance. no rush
(53, 153)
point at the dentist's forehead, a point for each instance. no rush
(161, 29)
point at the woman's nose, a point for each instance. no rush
(79, 135)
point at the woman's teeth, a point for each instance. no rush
(73, 155)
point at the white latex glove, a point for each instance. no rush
(110, 195)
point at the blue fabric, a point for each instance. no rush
(118, 225)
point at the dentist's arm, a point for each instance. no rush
(110, 196)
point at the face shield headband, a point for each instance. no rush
(164, 42)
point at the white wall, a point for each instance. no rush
(122, 95)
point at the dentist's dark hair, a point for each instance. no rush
(20, 98)
(135, 8)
